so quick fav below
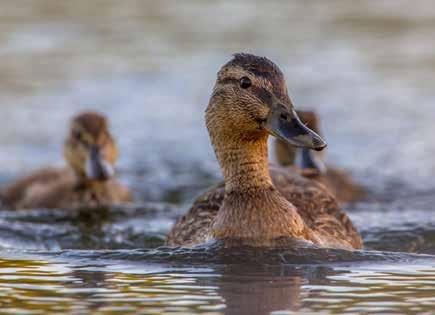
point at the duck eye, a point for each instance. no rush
(245, 82)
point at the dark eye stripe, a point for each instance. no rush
(264, 95)
(261, 93)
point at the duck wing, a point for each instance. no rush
(12, 195)
(318, 208)
(194, 227)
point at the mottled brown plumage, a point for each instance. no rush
(337, 181)
(254, 205)
(90, 152)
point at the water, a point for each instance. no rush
(110, 287)
(368, 68)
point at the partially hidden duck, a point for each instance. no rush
(87, 181)
(255, 205)
(311, 164)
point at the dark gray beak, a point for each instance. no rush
(285, 124)
(309, 161)
(97, 168)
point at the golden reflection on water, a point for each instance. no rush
(404, 290)
(42, 287)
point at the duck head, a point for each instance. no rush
(90, 149)
(250, 100)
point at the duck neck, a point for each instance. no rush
(244, 164)
(253, 209)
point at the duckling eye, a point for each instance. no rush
(77, 135)
(284, 116)
(245, 82)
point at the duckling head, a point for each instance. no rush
(311, 163)
(90, 149)
(250, 101)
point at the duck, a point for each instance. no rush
(258, 205)
(88, 179)
(312, 165)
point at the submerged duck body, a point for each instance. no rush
(87, 181)
(255, 206)
(311, 165)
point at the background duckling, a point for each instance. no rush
(90, 152)
(311, 164)
(256, 206)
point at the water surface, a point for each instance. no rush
(111, 287)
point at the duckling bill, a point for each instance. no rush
(87, 181)
(256, 205)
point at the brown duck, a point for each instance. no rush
(311, 164)
(256, 206)
(91, 153)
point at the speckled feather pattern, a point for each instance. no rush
(316, 206)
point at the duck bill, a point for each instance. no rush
(97, 168)
(285, 124)
(309, 161)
